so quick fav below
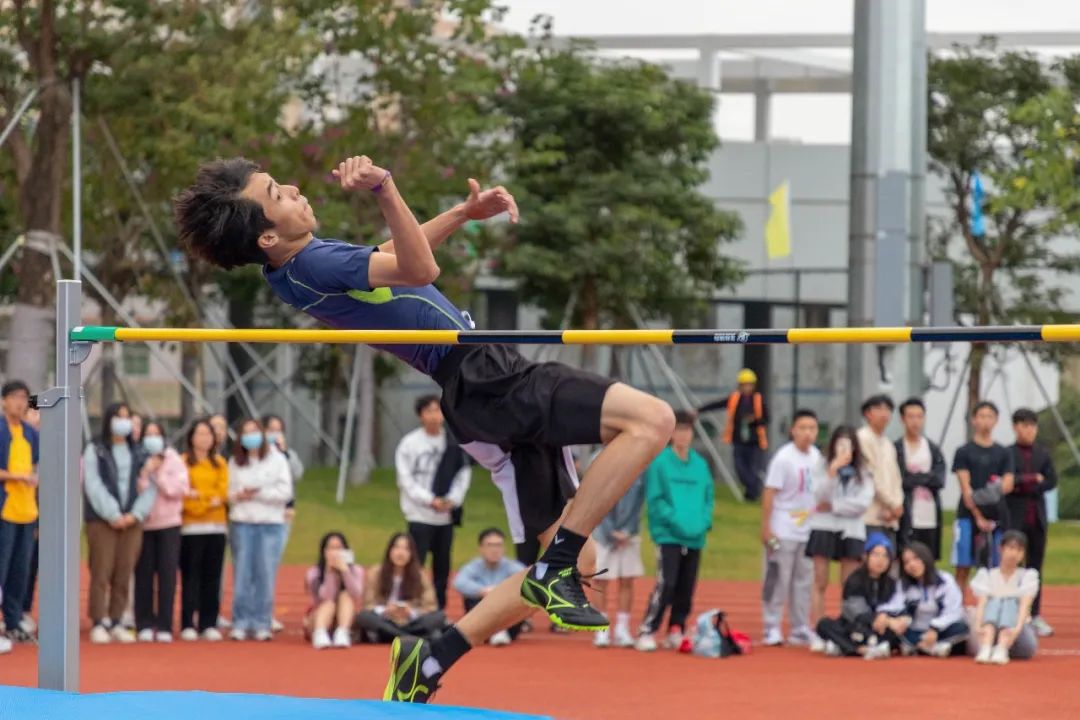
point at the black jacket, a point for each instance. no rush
(1026, 491)
(934, 481)
(864, 597)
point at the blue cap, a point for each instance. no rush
(877, 539)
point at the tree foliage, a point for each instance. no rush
(1008, 117)
(607, 161)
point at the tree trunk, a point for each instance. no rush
(590, 320)
(363, 460)
(190, 369)
(109, 355)
(40, 193)
(241, 315)
(978, 350)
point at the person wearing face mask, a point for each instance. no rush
(260, 486)
(275, 437)
(160, 556)
(114, 470)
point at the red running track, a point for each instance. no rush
(564, 676)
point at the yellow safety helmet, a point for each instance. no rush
(746, 376)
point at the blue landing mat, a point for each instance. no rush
(17, 703)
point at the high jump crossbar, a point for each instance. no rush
(793, 336)
(61, 431)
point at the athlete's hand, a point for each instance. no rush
(482, 205)
(359, 173)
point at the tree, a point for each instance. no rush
(1006, 116)
(607, 162)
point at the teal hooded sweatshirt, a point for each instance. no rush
(679, 498)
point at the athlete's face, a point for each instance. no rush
(284, 206)
(431, 418)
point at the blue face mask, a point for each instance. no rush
(120, 426)
(251, 440)
(273, 437)
(153, 444)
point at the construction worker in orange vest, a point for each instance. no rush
(747, 417)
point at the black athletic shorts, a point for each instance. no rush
(518, 418)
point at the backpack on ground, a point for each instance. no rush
(716, 639)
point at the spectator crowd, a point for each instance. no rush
(159, 518)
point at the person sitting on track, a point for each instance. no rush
(336, 586)
(1003, 615)
(933, 603)
(399, 599)
(478, 577)
(517, 418)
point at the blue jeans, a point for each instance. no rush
(16, 550)
(256, 552)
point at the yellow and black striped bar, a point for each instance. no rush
(794, 336)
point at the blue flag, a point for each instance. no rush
(978, 223)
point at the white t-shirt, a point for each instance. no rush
(790, 473)
(1023, 583)
(923, 508)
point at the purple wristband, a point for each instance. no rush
(382, 182)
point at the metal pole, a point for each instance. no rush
(6, 257)
(76, 177)
(23, 107)
(350, 419)
(955, 397)
(795, 359)
(1058, 420)
(61, 502)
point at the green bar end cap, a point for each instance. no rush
(94, 333)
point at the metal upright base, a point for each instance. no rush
(61, 501)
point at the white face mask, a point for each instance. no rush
(154, 444)
(120, 426)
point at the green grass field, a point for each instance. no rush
(370, 514)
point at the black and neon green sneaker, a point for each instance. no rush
(407, 681)
(558, 593)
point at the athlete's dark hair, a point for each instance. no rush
(984, 404)
(1015, 537)
(877, 401)
(490, 531)
(684, 417)
(214, 222)
(803, 413)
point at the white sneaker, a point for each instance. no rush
(817, 645)
(5, 645)
(263, 635)
(831, 649)
(224, 622)
(802, 637)
(123, 635)
(146, 635)
(673, 641)
(99, 635)
(1042, 628)
(28, 626)
(189, 634)
(941, 649)
(1000, 655)
(880, 651)
(773, 638)
(623, 638)
(276, 625)
(645, 643)
(320, 639)
(163, 637)
(212, 635)
(342, 638)
(499, 639)
(238, 634)
(983, 656)
(602, 639)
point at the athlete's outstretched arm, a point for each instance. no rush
(480, 205)
(412, 263)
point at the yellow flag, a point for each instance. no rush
(778, 226)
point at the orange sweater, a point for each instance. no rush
(210, 486)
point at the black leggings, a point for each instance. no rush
(849, 637)
(159, 559)
(201, 560)
(676, 577)
(439, 540)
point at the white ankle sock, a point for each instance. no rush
(622, 620)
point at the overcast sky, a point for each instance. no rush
(810, 118)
